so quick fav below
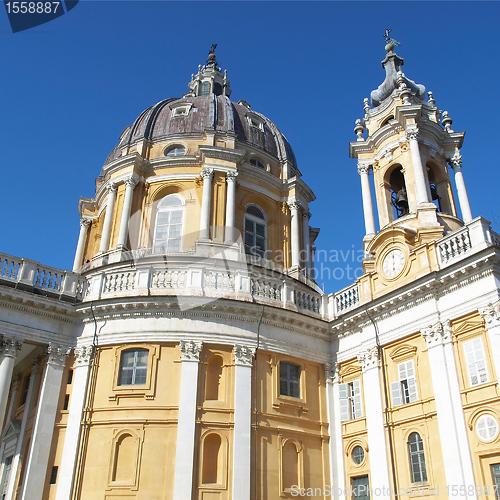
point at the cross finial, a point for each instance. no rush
(389, 41)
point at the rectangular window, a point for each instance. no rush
(350, 400)
(133, 367)
(66, 402)
(53, 475)
(405, 390)
(6, 474)
(360, 488)
(476, 361)
(289, 380)
(70, 377)
(495, 475)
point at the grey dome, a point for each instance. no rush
(209, 112)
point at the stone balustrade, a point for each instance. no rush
(32, 276)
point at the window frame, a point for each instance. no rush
(405, 390)
(174, 147)
(134, 368)
(474, 364)
(351, 401)
(420, 454)
(146, 390)
(169, 209)
(354, 478)
(282, 401)
(255, 220)
(288, 380)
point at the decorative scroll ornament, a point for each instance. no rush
(437, 334)
(412, 134)
(10, 346)
(56, 354)
(331, 372)
(190, 350)
(369, 359)
(491, 314)
(83, 354)
(244, 355)
(84, 222)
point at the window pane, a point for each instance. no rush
(162, 217)
(175, 216)
(249, 225)
(360, 488)
(289, 380)
(255, 211)
(260, 230)
(133, 367)
(175, 231)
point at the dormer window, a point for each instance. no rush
(176, 150)
(181, 111)
(256, 121)
(205, 88)
(257, 163)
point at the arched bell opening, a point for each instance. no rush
(439, 189)
(398, 195)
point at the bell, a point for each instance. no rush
(402, 200)
(434, 193)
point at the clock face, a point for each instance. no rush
(393, 262)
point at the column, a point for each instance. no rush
(451, 422)
(491, 316)
(184, 453)
(294, 209)
(83, 357)
(306, 240)
(379, 469)
(207, 174)
(130, 183)
(363, 171)
(242, 436)
(108, 218)
(230, 206)
(418, 169)
(9, 348)
(28, 406)
(456, 164)
(43, 427)
(337, 473)
(84, 225)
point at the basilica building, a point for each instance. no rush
(190, 355)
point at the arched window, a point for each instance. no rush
(214, 378)
(217, 88)
(205, 88)
(212, 456)
(168, 226)
(257, 163)
(417, 458)
(255, 231)
(290, 465)
(398, 193)
(177, 150)
(133, 367)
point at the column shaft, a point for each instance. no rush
(108, 219)
(230, 206)
(242, 437)
(463, 199)
(127, 205)
(186, 426)
(71, 442)
(379, 469)
(84, 225)
(295, 232)
(451, 422)
(43, 427)
(418, 169)
(367, 200)
(207, 175)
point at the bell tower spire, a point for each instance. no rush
(406, 143)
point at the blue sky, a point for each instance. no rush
(71, 86)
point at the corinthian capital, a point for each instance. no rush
(331, 373)
(83, 354)
(293, 205)
(231, 176)
(10, 346)
(491, 314)
(207, 173)
(455, 161)
(112, 187)
(363, 168)
(190, 350)
(56, 354)
(131, 181)
(437, 334)
(84, 222)
(412, 134)
(243, 355)
(369, 358)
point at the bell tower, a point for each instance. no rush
(408, 145)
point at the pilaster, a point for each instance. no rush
(491, 316)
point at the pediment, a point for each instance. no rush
(350, 370)
(468, 325)
(12, 429)
(403, 351)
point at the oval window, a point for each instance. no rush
(176, 150)
(487, 428)
(358, 455)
